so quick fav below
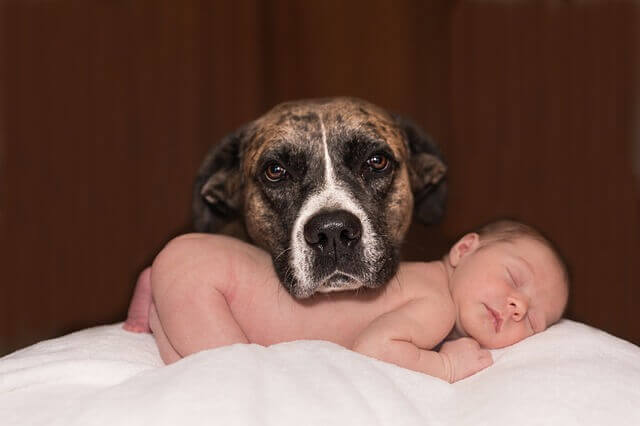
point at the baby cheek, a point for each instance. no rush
(519, 333)
(472, 322)
(506, 337)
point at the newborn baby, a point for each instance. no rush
(494, 288)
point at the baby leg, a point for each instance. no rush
(138, 315)
(190, 277)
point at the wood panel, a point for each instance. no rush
(109, 107)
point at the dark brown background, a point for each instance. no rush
(108, 106)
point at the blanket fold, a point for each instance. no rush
(571, 374)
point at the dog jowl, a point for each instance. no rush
(327, 186)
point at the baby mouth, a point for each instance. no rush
(497, 319)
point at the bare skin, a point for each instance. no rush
(209, 291)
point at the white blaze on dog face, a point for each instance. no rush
(331, 196)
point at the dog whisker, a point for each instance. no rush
(397, 280)
(282, 252)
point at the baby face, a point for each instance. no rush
(505, 291)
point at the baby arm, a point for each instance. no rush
(406, 336)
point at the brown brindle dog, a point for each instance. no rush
(327, 186)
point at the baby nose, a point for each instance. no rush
(517, 308)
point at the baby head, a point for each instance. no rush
(507, 281)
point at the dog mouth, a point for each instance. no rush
(496, 318)
(339, 281)
(350, 276)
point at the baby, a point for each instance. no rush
(494, 288)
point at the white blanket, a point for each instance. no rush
(571, 374)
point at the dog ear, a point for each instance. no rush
(427, 172)
(217, 192)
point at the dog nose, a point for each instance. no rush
(336, 230)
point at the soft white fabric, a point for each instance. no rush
(571, 374)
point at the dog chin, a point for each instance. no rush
(339, 282)
(334, 283)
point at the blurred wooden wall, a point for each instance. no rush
(107, 108)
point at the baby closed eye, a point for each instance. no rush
(512, 278)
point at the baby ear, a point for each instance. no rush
(217, 192)
(427, 172)
(465, 245)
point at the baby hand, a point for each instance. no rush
(464, 357)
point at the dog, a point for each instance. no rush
(327, 186)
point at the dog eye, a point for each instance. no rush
(378, 162)
(275, 172)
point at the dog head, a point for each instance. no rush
(327, 186)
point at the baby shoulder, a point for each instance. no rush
(436, 309)
(427, 285)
